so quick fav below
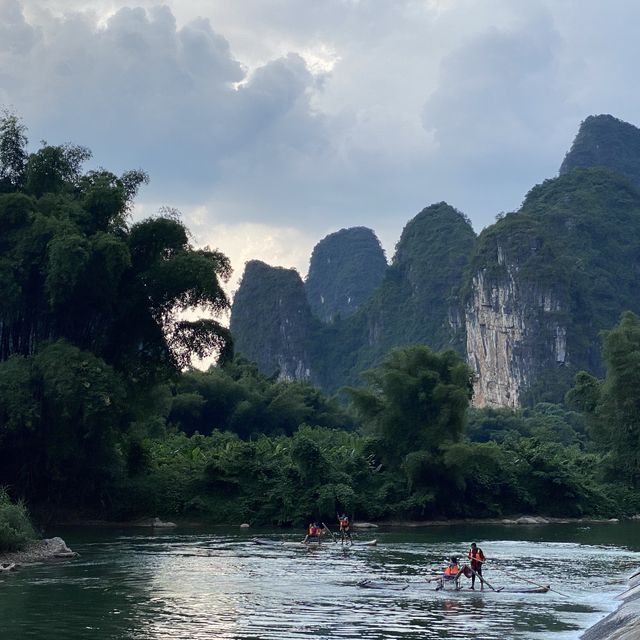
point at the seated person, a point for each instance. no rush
(313, 533)
(451, 573)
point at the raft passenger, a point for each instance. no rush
(313, 533)
(345, 528)
(477, 558)
(451, 573)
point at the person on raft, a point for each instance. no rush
(477, 558)
(451, 573)
(345, 528)
(313, 533)
(453, 568)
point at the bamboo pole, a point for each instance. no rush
(519, 577)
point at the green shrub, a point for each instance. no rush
(15, 527)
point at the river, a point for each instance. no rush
(193, 584)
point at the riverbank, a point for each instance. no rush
(519, 520)
(36, 552)
(624, 623)
(160, 524)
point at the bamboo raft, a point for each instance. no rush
(313, 545)
(397, 586)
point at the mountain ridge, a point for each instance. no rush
(524, 301)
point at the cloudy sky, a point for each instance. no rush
(270, 123)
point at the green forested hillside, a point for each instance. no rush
(575, 240)
(345, 269)
(101, 417)
(417, 300)
(416, 303)
(605, 141)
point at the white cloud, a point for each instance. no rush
(291, 119)
(243, 241)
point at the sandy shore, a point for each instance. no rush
(624, 623)
(36, 552)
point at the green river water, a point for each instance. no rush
(192, 584)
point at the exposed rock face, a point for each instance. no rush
(271, 321)
(608, 142)
(505, 325)
(345, 269)
(545, 281)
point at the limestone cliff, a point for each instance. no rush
(545, 280)
(513, 333)
(526, 300)
(271, 321)
(345, 269)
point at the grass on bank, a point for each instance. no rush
(15, 526)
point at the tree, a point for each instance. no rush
(73, 267)
(93, 313)
(13, 153)
(620, 401)
(60, 413)
(612, 406)
(416, 400)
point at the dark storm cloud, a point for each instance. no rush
(308, 116)
(140, 90)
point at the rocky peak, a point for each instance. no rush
(607, 142)
(546, 280)
(271, 321)
(345, 269)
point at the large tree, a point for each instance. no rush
(612, 406)
(416, 399)
(92, 315)
(72, 266)
(620, 400)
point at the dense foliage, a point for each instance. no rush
(345, 269)
(238, 398)
(15, 526)
(419, 453)
(90, 319)
(605, 141)
(612, 405)
(99, 413)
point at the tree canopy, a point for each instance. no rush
(73, 266)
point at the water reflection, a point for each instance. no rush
(139, 587)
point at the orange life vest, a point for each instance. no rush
(476, 555)
(452, 570)
(344, 522)
(314, 531)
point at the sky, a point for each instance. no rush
(271, 123)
